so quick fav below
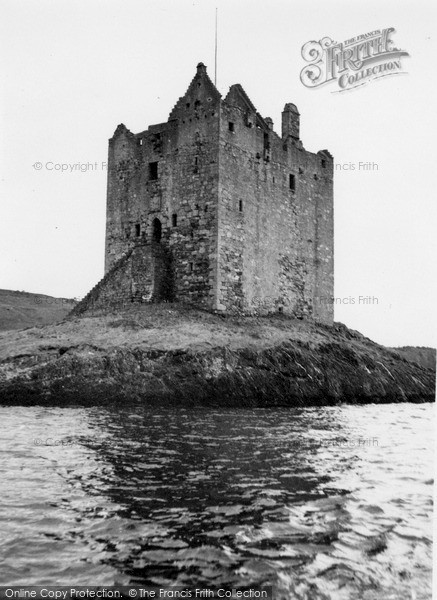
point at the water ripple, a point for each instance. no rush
(322, 503)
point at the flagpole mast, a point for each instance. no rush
(215, 52)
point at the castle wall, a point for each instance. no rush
(144, 274)
(246, 215)
(276, 253)
(182, 194)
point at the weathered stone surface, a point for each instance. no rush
(245, 215)
(143, 274)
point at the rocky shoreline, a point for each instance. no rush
(176, 355)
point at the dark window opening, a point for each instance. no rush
(156, 230)
(197, 104)
(300, 171)
(292, 182)
(266, 141)
(196, 161)
(188, 105)
(231, 127)
(191, 234)
(315, 176)
(191, 267)
(174, 220)
(138, 230)
(153, 171)
(240, 205)
(323, 163)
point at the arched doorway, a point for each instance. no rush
(156, 230)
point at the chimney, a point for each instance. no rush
(290, 122)
(201, 68)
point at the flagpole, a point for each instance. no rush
(215, 53)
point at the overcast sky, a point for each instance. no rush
(74, 70)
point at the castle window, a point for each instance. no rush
(323, 163)
(188, 105)
(266, 141)
(156, 230)
(231, 127)
(174, 220)
(191, 266)
(153, 171)
(240, 205)
(292, 182)
(138, 230)
(196, 161)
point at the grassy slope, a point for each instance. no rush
(426, 357)
(171, 352)
(23, 309)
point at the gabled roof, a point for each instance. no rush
(238, 97)
(201, 77)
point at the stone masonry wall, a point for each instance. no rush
(144, 274)
(245, 216)
(181, 194)
(275, 242)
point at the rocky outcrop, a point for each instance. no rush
(213, 360)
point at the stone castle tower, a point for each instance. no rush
(215, 209)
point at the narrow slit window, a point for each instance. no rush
(138, 230)
(292, 182)
(323, 163)
(174, 220)
(191, 267)
(231, 126)
(240, 205)
(153, 171)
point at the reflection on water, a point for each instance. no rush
(322, 503)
